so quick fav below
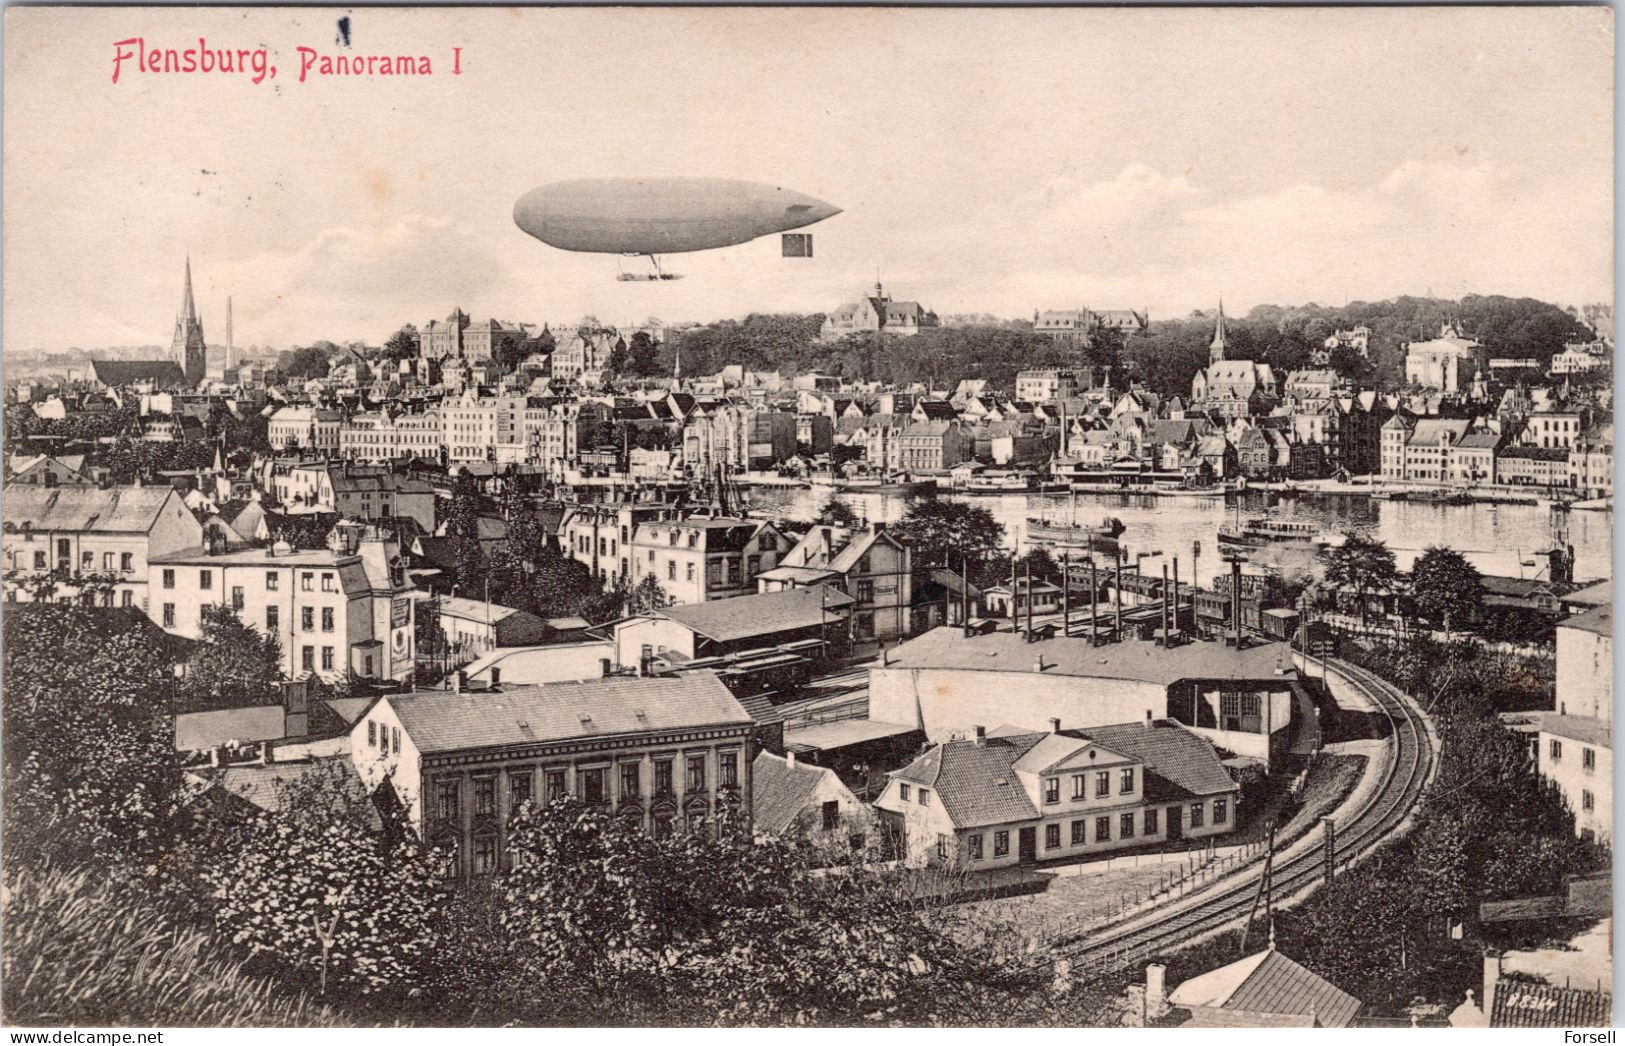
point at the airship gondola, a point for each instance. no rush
(649, 217)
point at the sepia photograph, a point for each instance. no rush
(824, 517)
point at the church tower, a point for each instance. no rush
(187, 348)
(1215, 351)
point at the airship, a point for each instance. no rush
(649, 217)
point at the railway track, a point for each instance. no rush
(1180, 922)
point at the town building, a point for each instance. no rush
(305, 428)
(701, 559)
(797, 800)
(333, 612)
(1591, 463)
(1532, 467)
(114, 532)
(658, 752)
(1004, 797)
(944, 682)
(599, 536)
(931, 446)
(1585, 664)
(474, 627)
(1263, 990)
(1232, 388)
(867, 563)
(1447, 363)
(1576, 753)
(1552, 429)
(459, 336)
(877, 313)
(381, 436)
(47, 470)
(1077, 327)
(806, 619)
(1046, 386)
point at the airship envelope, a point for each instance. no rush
(661, 215)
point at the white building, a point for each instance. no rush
(332, 612)
(1577, 754)
(304, 428)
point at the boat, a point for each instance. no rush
(1442, 497)
(1268, 530)
(1390, 495)
(886, 485)
(1001, 483)
(1059, 532)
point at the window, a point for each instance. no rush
(1103, 829)
(372, 733)
(1587, 802)
(754, 565)
(1151, 822)
(942, 847)
(1052, 836)
(1588, 759)
(236, 597)
(327, 659)
(518, 789)
(169, 615)
(87, 561)
(594, 786)
(554, 780)
(671, 571)
(485, 855)
(485, 795)
(1556, 750)
(205, 579)
(327, 583)
(1052, 790)
(691, 572)
(1126, 786)
(1079, 786)
(1125, 826)
(1080, 834)
(630, 782)
(307, 659)
(107, 561)
(271, 580)
(445, 801)
(273, 619)
(307, 618)
(1197, 810)
(327, 619)
(728, 769)
(1221, 810)
(1103, 784)
(866, 591)
(39, 564)
(663, 777)
(696, 773)
(1001, 844)
(395, 738)
(925, 796)
(126, 598)
(169, 575)
(307, 581)
(831, 811)
(902, 791)
(973, 847)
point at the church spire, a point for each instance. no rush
(1215, 350)
(188, 307)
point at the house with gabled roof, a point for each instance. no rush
(1009, 796)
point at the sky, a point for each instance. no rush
(985, 161)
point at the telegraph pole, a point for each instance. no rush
(1235, 559)
(1117, 595)
(1066, 593)
(1094, 632)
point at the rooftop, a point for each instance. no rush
(742, 617)
(113, 510)
(442, 721)
(1143, 660)
(1269, 983)
(780, 790)
(1599, 619)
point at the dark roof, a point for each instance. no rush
(743, 617)
(1599, 619)
(121, 510)
(780, 790)
(131, 372)
(1521, 1004)
(1178, 763)
(977, 783)
(946, 647)
(1268, 983)
(441, 721)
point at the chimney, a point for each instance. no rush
(1492, 977)
(1156, 998)
(268, 752)
(1148, 719)
(603, 666)
(790, 757)
(1054, 725)
(496, 678)
(981, 734)
(295, 708)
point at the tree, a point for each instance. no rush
(618, 358)
(938, 531)
(647, 595)
(837, 513)
(232, 665)
(403, 344)
(308, 362)
(88, 739)
(337, 908)
(1360, 564)
(1445, 587)
(644, 359)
